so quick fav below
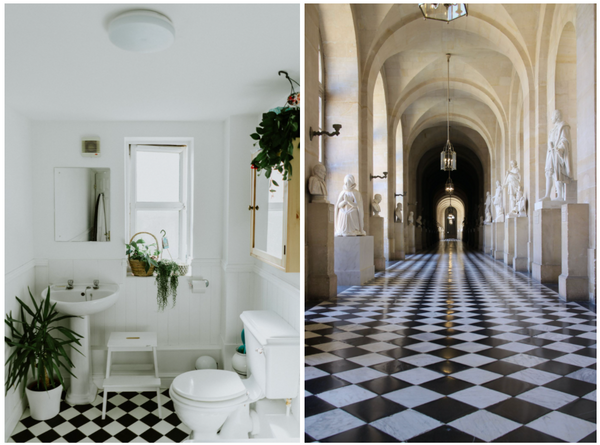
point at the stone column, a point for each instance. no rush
(488, 230)
(519, 262)
(546, 241)
(399, 243)
(418, 238)
(410, 239)
(499, 241)
(321, 282)
(354, 260)
(573, 284)
(509, 239)
(377, 232)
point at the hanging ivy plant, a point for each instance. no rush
(167, 280)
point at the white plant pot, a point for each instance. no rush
(239, 363)
(44, 405)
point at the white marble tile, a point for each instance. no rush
(574, 320)
(330, 423)
(485, 425)
(416, 376)
(544, 327)
(324, 320)
(421, 359)
(406, 424)
(319, 359)
(424, 347)
(576, 359)
(378, 347)
(395, 320)
(470, 347)
(388, 327)
(473, 360)
(429, 328)
(563, 426)
(501, 321)
(359, 375)
(332, 346)
(366, 314)
(479, 396)
(370, 359)
(476, 376)
(584, 374)
(352, 327)
(359, 320)
(467, 328)
(547, 397)
(413, 396)
(469, 336)
(583, 327)
(564, 347)
(346, 395)
(427, 336)
(307, 394)
(384, 336)
(588, 335)
(313, 373)
(591, 396)
(310, 334)
(534, 376)
(342, 335)
(525, 360)
(506, 328)
(516, 347)
(510, 336)
(333, 313)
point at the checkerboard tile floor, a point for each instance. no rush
(130, 417)
(450, 346)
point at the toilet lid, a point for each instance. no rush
(209, 385)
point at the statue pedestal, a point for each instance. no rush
(573, 283)
(488, 230)
(509, 239)
(409, 246)
(499, 241)
(399, 253)
(321, 281)
(376, 228)
(546, 241)
(519, 261)
(354, 260)
(418, 238)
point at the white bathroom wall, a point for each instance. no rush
(19, 245)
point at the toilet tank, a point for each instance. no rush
(272, 353)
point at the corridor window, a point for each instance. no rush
(160, 196)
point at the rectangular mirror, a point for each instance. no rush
(81, 204)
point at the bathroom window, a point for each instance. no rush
(160, 194)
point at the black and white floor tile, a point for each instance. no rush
(450, 346)
(130, 417)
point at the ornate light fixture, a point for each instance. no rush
(444, 12)
(449, 185)
(448, 155)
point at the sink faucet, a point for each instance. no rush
(69, 284)
(96, 284)
(86, 293)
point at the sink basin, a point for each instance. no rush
(72, 301)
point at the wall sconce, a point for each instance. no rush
(336, 127)
(380, 177)
(398, 194)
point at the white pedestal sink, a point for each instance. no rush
(72, 302)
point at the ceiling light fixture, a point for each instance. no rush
(448, 155)
(443, 12)
(449, 185)
(141, 31)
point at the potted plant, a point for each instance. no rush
(38, 351)
(143, 258)
(167, 280)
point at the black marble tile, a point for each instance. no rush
(445, 433)
(527, 435)
(314, 405)
(384, 385)
(322, 384)
(518, 410)
(364, 433)
(446, 385)
(392, 367)
(446, 409)
(373, 409)
(582, 408)
(507, 385)
(337, 366)
(571, 386)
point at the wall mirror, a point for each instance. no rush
(275, 236)
(81, 204)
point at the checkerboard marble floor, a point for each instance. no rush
(450, 346)
(130, 417)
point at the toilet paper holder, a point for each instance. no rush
(196, 284)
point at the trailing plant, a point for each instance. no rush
(146, 253)
(37, 350)
(167, 280)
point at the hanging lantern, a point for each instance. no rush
(448, 155)
(445, 12)
(449, 185)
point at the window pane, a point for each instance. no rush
(154, 221)
(157, 176)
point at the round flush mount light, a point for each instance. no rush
(141, 31)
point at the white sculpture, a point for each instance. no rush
(488, 208)
(512, 182)
(558, 167)
(349, 213)
(398, 212)
(480, 221)
(420, 221)
(411, 218)
(375, 204)
(316, 183)
(520, 204)
(498, 203)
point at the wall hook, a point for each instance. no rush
(398, 194)
(380, 177)
(336, 127)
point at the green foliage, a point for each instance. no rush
(36, 349)
(146, 253)
(274, 136)
(167, 280)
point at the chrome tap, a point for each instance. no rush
(86, 293)
(69, 284)
(96, 284)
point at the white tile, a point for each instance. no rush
(576, 359)
(350, 327)
(324, 320)
(91, 427)
(369, 359)
(309, 334)
(421, 359)
(427, 336)
(547, 397)
(385, 336)
(544, 327)
(584, 374)
(479, 396)
(424, 347)
(388, 327)
(553, 336)
(406, 424)
(319, 359)
(313, 373)
(476, 376)
(516, 347)
(470, 347)
(346, 395)
(377, 347)
(564, 347)
(525, 360)
(429, 328)
(359, 375)
(473, 360)
(469, 336)
(591, 396)
(485, 425)
(416, 376)
(330, 423)
(332, 346)
(342, 335)
(413, 396)
(563, 426)
(359, 320)
(534, 376)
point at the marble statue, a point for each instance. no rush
(349, 213)
(520, 204)
(512, 182)
(375, 204)
(497, 200)
(558, 167)
(440, 228)
(420, 221)
(480, 221)
(411, 218)
(316, 183)
(398, 212)
(488, 208)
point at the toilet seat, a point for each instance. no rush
(214, 387)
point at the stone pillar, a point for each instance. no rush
(509, 239)
(377, 232)
(499, 241)
(418, 238)
(546, 241)
(399, 243)
(410, 239)
(519, 262)
(488, 229)
(321, 282)
(573, 282)
(354, 260)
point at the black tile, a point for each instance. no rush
(318, 341)
(79, 420)
(322, 384)
(587, 352)
(525, 434)
(150, 406)
(518, 410)
(392, 367)
(364, 433)
(383, 385)
(308, 439)
(314, 405)
(507, 385)
(349, 352)
(373, 409)
(151, 435)
(446, 385)
(557, 367)
(125, 435)
(444, 433)
(100, 436)
(176, 435)
(447, 353)
(338, 366)
(359, 341)
(447, 367)
(502, 367)
(55, 421)
(126, 420)
(309, 350)
(150, 419)
(128, 406)
(571, 386)
(446, 409)
(172, 419)
(546, 353)
(591, 438)
(582, 408)
(169, 405)
(76, 436)
(496, 353)
(102, 423)
(23, 436)
(447, 341)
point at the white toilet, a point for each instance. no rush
(215, 404)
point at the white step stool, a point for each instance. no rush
(131, 342)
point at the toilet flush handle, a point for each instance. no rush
(260, 350)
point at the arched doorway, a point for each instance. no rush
(450, 223)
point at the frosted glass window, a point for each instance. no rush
(154, 221)
(157, 176)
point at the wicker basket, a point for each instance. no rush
(137, 266)
(183, 269)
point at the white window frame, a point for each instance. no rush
(183, 146)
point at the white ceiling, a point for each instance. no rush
(60, 64)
